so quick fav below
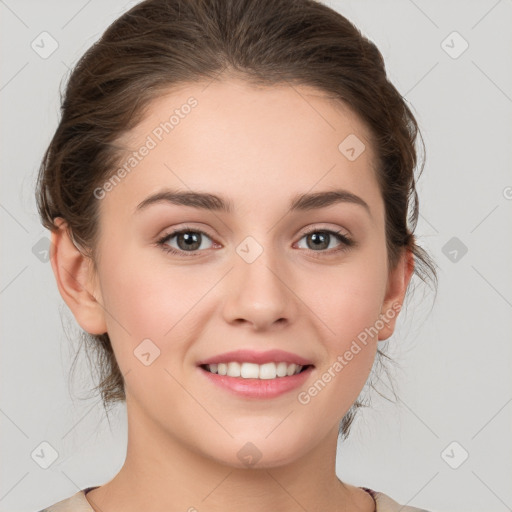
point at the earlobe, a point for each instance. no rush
(398, 281)
(76, 281)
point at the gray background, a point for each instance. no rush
(455, 355)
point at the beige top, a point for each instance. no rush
(78, 503)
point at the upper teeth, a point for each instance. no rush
(255, 371)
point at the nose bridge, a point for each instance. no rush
(259, 292)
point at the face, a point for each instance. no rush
(311, 280)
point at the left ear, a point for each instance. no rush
(398, 280)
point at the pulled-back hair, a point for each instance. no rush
(161, 44)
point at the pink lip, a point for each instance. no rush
(258, 388)
(250, 356)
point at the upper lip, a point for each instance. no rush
(251, 356)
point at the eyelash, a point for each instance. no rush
(346, 242)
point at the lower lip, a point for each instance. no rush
(258, 388)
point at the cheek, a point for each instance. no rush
(348, 300)
(350, 353)
(155, 323)
(146, 301)
(149, 298)
(155, 302)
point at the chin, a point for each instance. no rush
(256, 452)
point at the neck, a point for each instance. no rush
(178, 478)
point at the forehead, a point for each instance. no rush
(252, 143)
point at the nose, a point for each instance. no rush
(260, 293)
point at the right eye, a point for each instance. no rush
(188, 241)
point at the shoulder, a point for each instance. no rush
(387, 504)
(76, 503)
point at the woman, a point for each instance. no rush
(228, 192)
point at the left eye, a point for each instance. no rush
(319, 239)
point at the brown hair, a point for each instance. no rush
(161, 44)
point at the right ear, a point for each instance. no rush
(77, 282)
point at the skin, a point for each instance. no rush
(259, 147)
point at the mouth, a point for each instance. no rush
(252, 374)
(246, 370)
(257, 382)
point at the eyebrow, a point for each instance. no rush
(207, 201)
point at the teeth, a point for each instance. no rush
(249, 371)
(282, 369)
(255, 371)
(291, 369)
(267, 371)
(233, 370)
